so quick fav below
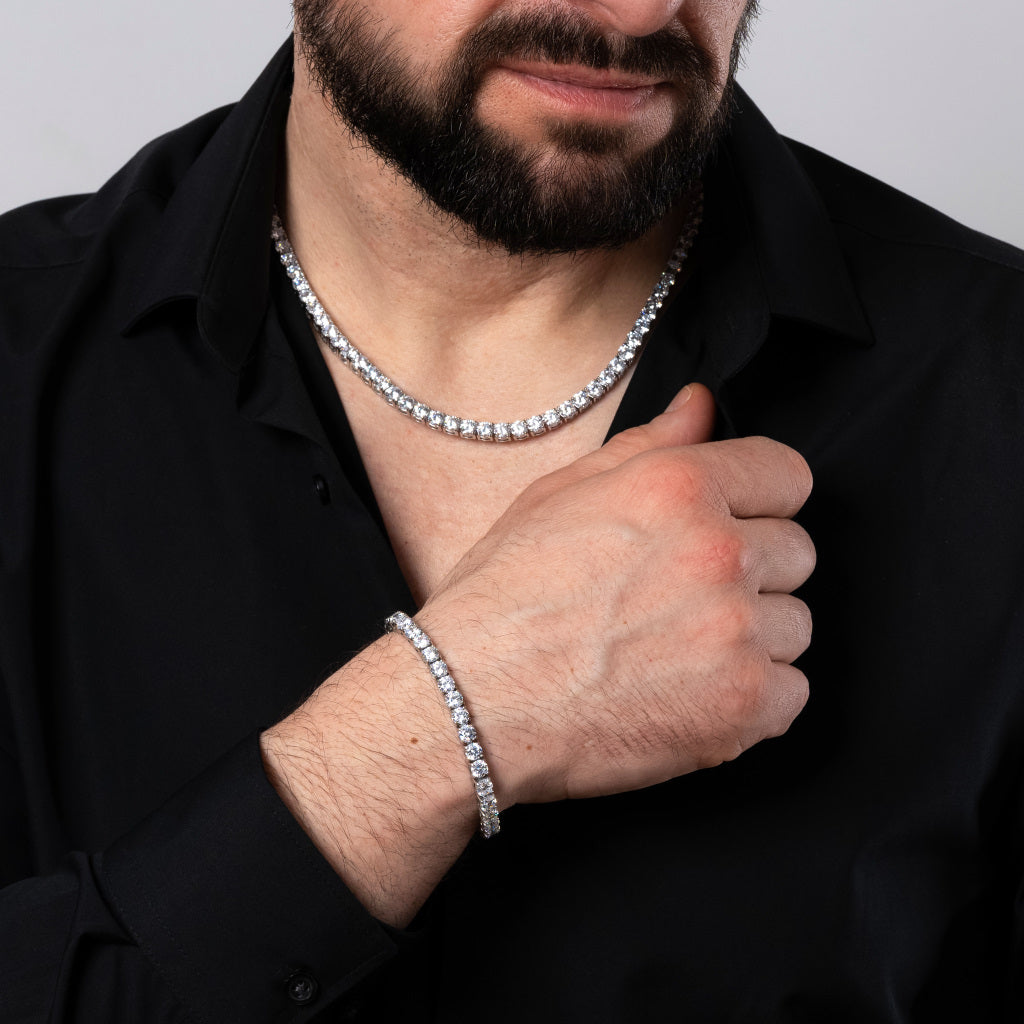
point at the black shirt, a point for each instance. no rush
(188, 545)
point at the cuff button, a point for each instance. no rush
(302, 988)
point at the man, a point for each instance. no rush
(228, 795)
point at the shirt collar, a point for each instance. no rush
(800, 264)
(765, 229)
(211, 242)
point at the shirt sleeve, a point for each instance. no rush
(217, 908)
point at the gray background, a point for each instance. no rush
(922, 93)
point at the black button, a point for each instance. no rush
(322, 490)
(302, 988)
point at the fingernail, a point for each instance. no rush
(681, 399)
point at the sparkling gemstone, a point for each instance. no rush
(301, 284)
(439, 668)
(431, 653)
(405, 404)
(478, 768)
(373, 375)
(309, 300)
(466, 734)
(474, 751)
(420, 411)
(485, 431)
(535, 425)
(468, 428)
(451, 424)
(580, 400)
(566, 410)
(421, 640)
(501, 432)
(435, 419)
(460, 716)
(594, 389)
(675, 263)
(491, 807)
(626, 353)
(617, 366)
(446, 684)
(485, 787)
(411, 630)
(519, 429)
(333, 334)
(606, 378)
(552, 419)
(393, 395)
(453, 699)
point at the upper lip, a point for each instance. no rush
(577, 74)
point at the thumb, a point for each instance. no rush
(689, 418)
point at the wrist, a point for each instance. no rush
(369, 767)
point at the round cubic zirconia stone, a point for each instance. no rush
(467, 734)
(519, 430)
(420, 412)
(580, 400)
(468, 428)
(606, 379)
(405, 404)
(394, 395)
(479, 768)
(431, 653)
(451, 424)
(460, 716)
(485, 431)
(446, 685)
(567, 410)
(552, 419)
(474, 752)
(535, 425)
(501, 432)
(435, 419)
(484, 787)
(454, 699)
(594, 389)
(439, 668)
(421, 639)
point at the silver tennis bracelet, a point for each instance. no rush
(399, 622)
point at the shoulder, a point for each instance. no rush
(55, 233)
(931, 288)
(860, 203)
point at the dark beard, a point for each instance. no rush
(592, 193)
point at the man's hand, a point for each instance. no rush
(629, 618)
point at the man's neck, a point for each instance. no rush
(414, 291)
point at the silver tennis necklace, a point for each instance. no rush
(487, 430)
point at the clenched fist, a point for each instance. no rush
(630, 617)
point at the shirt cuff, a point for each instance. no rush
(234, 905)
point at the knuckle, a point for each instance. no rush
(723, 556)
(664, 480)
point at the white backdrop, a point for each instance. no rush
(922, 93)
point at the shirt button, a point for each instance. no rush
(302, 988)
(323, 492)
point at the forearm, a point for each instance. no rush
(371, 768)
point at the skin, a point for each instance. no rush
(616, 614)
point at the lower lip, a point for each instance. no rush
(615, 103)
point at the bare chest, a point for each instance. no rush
(439, 495)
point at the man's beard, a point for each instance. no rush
(584, 190)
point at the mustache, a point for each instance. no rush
(564, 37)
